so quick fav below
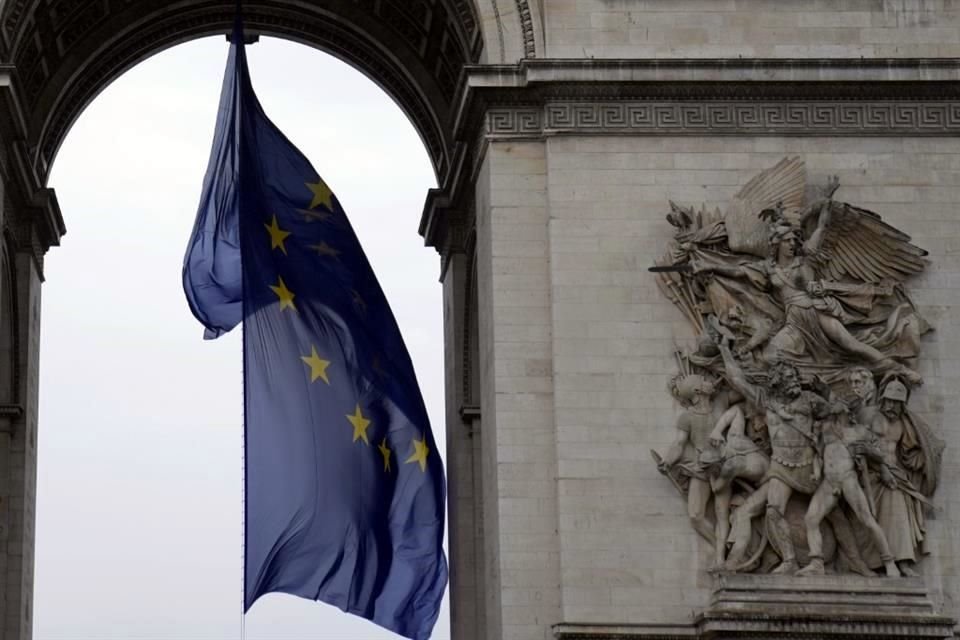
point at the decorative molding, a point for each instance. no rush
(515, 122)
(14, 15)
(526, 27)
(753, 118)
(500, 39)
(764, 72)
(465, 9)
(719, 118)
(525, 18)
(708, 97)
(536, 98)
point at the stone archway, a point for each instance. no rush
(55, 58)
(64, 53)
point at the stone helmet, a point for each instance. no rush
(895, 390)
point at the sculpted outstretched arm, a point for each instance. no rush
(724, 270)
(731, 419)
(812, 245)
(736, 377)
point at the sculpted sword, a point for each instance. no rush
(672, 268)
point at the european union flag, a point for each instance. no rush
(344, 487)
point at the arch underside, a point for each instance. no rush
(64, 52)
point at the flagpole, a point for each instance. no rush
(238, 41)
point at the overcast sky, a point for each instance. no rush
(139, 505)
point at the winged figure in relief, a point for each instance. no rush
(788, 273)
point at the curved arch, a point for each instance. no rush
(64, 52)
(513, 29)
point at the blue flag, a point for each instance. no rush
(344, 487)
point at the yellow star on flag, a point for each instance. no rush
(324, 249)
(321, 194)
(277, 235)
(420, 453)
(318, 367)
(385, 451)
(286, 296)
(360, 425)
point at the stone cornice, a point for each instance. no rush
(444, 216)
(537, 98)
(48, 220)
(36, 219)
(530, 72)
(41, 221)
(534, 84)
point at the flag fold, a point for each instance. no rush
(344, 485)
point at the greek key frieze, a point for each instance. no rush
(755, 118)
(515, 121)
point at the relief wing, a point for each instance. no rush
(784, 184)
(858, 244)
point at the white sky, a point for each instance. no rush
(139, 506)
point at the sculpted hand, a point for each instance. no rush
(716, 441)
(887, 478)
(815, 288)
(832, 185)
(698, 267)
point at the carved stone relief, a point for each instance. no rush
(797, 452)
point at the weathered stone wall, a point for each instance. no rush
(518, 435)
(752, 28)
(628, 553)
